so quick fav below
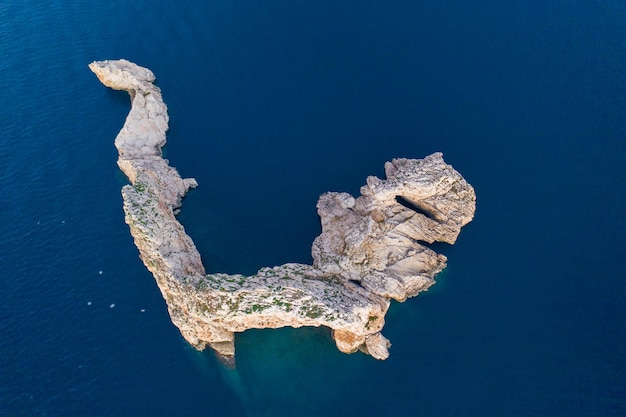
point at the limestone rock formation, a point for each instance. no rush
(374, 239)
(369, 252)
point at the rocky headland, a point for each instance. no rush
(371, 248)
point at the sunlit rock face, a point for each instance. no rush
(374, 239)
(371, 248)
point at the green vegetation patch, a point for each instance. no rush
(370, 320)
(140, 186)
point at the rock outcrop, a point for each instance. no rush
(370, 249)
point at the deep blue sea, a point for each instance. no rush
(271, 104)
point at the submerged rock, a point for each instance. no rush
(370, 251)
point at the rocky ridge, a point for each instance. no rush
(368, 253)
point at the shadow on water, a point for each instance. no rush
(119, 98)
(230, 375)
(274, 370)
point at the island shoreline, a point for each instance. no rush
(370, 250)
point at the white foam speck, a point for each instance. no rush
(112, 305)
(99, 272)
(88, 303)
(143, 310)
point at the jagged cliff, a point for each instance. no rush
(368, 253)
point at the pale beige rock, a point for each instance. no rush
(374, 239)
(368, 251)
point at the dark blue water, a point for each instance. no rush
(271, 104)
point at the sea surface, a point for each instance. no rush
(273, 103)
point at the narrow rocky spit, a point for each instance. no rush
(371, 249)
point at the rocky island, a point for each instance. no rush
(371, 249)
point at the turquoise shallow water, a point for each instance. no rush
(271, 104)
